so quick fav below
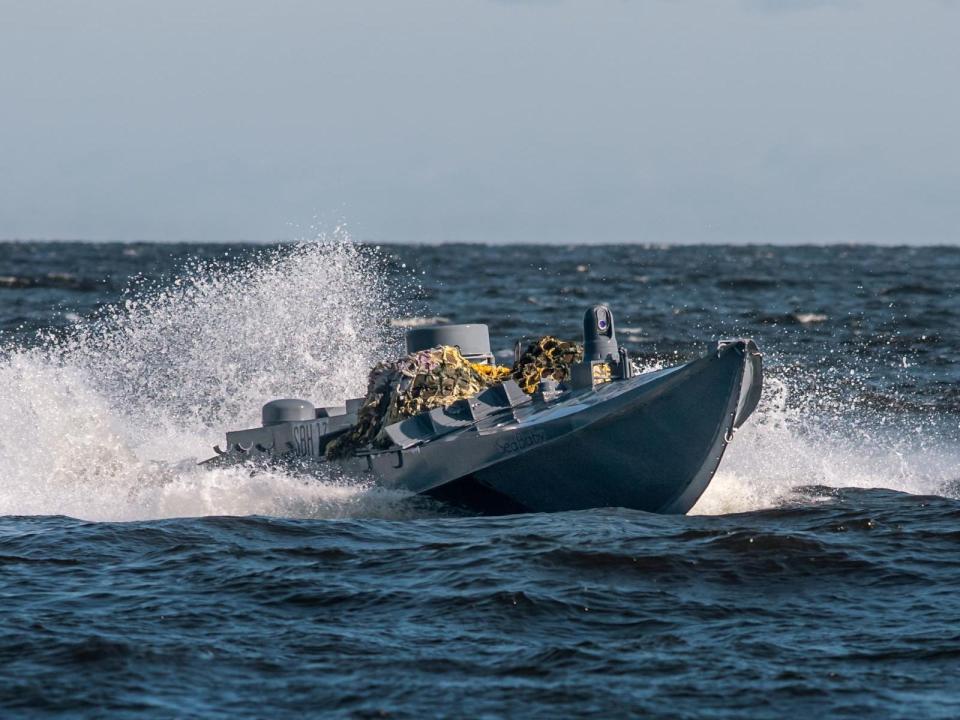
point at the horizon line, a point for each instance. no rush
(490, 243)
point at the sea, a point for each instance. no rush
(818, 576)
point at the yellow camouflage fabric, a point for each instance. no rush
(548, 357)
(402, 388)
(437, 377)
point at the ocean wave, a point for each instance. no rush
(912, 289)
(56, 280)
(794, 318)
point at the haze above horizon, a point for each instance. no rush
(798, 121)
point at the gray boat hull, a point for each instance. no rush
(651, 442)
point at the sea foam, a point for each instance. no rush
(796, 440)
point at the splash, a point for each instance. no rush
(109, 421)
(799, 438)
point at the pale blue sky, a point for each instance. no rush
(482, 120)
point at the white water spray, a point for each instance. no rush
(792, 443)
(109, 423)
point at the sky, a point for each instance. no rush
(654, 121)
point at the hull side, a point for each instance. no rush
(657, 453)
(651, 442)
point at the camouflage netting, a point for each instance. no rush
(437, 377)
(548, 357)
(420, 381)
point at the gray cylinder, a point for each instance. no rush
(599, 338)
(290, 410)
(473, 340)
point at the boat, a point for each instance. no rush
(606, 436)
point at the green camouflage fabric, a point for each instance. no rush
(402, 388)
(438, 377)
(548, 357)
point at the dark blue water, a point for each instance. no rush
(819, 574)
